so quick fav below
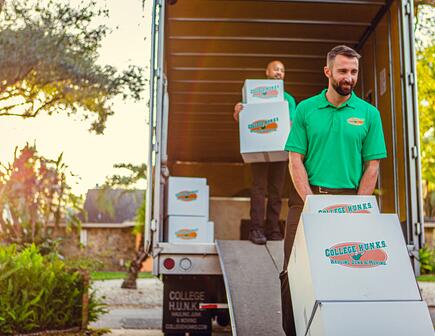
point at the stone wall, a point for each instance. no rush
(112, 246)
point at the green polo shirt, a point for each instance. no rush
(336, 141)
(291, 104)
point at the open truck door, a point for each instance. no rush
(203, 50)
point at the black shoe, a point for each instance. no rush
(275, 236)
(257, 237)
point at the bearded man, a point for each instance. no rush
(335, 146)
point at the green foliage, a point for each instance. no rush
(84, 261)
(426, 106)
(134, 174)
(427, 260)
(39, 293)
(35, 198)
(48, 62)
(139, 220)
(425, 43)
(426, 93)
(426, 278)
(117, 275)
(424, 25)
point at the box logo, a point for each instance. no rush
(357, 254)
(348, 208)
(186, 234)
(355, 121)
(265, 92)
(187, 195)
(263, 126)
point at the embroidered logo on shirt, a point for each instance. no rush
(355, 121)
(264, 126)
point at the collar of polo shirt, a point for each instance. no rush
(323, 102)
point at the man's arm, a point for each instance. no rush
(368, 180)
(299, 174)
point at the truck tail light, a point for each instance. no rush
(169, 263)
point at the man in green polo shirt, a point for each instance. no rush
(267, 177)
(335, 146)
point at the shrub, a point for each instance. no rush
(426, 256)
(39, 293)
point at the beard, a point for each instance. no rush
(341, 89)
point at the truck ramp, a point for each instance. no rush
(251, 276)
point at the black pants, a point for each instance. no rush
(295, 204)
(267, 178)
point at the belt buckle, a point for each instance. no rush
(322, 191)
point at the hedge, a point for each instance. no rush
(39, 293)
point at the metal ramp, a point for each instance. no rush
(251, 276)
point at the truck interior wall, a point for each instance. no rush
(381, 78)
(399, 111)
(212, 46)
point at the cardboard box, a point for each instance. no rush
(262, 91)
(187, 196)
(348, 257)
(371, 318)
(189, 229)
(264, 129)
(341, 204)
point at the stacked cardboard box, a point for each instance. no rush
(350, 273)
(264, 123)
(188, 211)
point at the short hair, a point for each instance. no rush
(341, 50)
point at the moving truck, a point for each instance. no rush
(202, 51)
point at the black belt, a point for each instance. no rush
(324, 190)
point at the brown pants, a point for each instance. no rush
(295, 205)
(267, 177)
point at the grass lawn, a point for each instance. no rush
(117, 275)
(89, 332)
(427, 278)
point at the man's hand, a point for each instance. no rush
(237, 109)
(299, 175)
(368, 180)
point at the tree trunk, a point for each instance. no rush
(135, 267)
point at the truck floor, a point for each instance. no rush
(251, 275)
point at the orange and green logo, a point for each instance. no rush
(348, 208)
(355, 121)
(187, 195)
(186, 234)
(357, 254)
(265, 92)
(264, 126)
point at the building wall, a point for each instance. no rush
(113, 247)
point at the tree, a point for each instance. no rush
(426, 106)
(35, 198)
(135, 174)
(425, 45)
(48, 63)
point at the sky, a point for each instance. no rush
(125, 139)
